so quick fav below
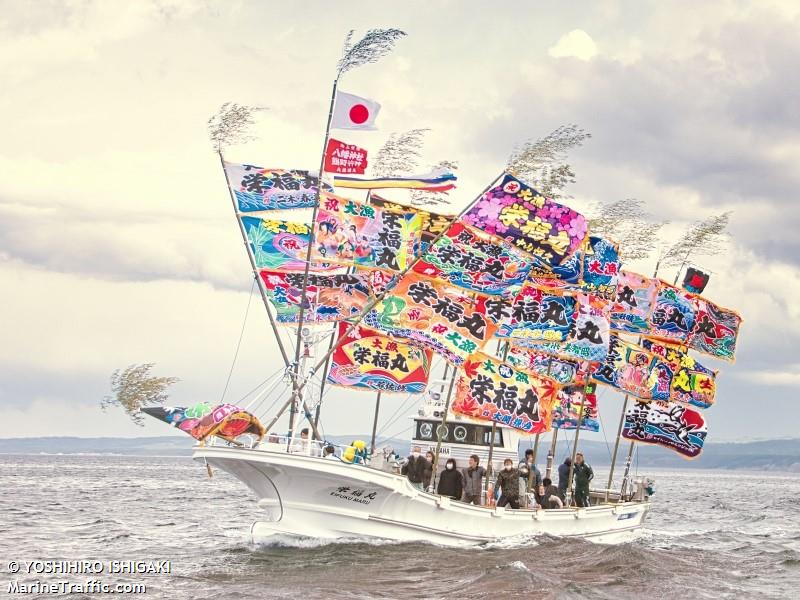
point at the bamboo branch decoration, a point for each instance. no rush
(375, 44)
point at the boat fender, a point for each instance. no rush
(348, 454)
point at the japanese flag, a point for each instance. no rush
(353, 112)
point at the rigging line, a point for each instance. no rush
(260, 384)
(386, 439)
(397, 414)
(264, 395)
(239, 343)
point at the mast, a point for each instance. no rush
(489, 469)
(536, 442)
(616, 447)
(297, 391)
(440, 429)
(575, 447)
(375, 422)
(551, 454)
(273, 324)
(626, 476)
(252, 259)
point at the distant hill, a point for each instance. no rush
(771, 455)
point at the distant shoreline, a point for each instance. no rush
(773, 456)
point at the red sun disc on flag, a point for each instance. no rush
(359, 114)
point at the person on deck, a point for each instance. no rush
(329, 452)
(450, 481)
(415, 467)
(547, 495)
(508, 482)
(563, 477)
(583, 475)
(528, 470)
(473, 481)
(428, 473)
(303, 445)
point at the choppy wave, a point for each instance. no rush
(709, 535)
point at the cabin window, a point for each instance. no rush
(487, 436)
(458, 433)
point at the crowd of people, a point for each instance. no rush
(514, 484)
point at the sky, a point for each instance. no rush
(118, 244)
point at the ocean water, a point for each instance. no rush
(710, 534)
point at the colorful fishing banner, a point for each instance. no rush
(490, 390)
(368, 359)
(327, 298)
(568, 409)
(673, 315)
(202, 420)
(358, 235)
(587, 340)
(601, 268)
(563, 371)
(715, 330)
(438, 181)
(634, 370)
(344, 158)
(635, 298)
(432, 224)
(534, 315)
(667, 424)
(519, 214)
(434, 316)
(465, 258)
(692, 383)
(280, 244)
(565, 275)
(256, 188)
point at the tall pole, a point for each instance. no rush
(575, 447)
(261, 289)
(375, 422)
(333, 341)
(626, 476)
(489, 469)
(252, 258)
(297, 391)
(439, 431)
(531, 470)
(551, 454)
(616, 447)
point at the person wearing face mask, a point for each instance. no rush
(508, 482)
(415, 467)
(427, 474)
(450, 481)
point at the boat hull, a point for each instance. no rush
(322, 498)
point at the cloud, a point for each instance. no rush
(773, 378)
(575, 44)
(117, 243)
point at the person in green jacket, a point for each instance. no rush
(583, 475)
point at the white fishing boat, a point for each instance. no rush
(378, 289)
(302, 494)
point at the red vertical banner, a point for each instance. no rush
(345, 158)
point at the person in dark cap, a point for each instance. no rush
(563, 477)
